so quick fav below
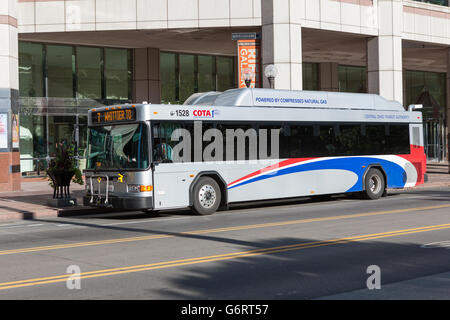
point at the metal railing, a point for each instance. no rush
(36, 167)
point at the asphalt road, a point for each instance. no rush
(303, 249)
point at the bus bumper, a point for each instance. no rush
(119, 203)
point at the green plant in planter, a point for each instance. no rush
(62, 170)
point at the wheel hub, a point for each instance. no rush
(207, 196)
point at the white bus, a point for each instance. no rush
(250, 144)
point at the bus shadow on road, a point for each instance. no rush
(310, 272)
(137, 215)
(436, 195)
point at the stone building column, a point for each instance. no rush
(384, 53)
(282, 42)
(9, 98)
(146, 82)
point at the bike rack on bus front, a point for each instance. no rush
(99, 188)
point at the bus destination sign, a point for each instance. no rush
(115, 115)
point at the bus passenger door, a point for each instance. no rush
(170, 184)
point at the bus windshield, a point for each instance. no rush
(115, 147)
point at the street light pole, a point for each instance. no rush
(271, 72)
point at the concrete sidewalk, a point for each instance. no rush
(31, 201)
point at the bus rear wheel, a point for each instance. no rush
(374, 184)
(206, 196)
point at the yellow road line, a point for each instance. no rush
(212, 258)
(216, 230)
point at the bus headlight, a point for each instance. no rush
(139, 188)
(146, 188)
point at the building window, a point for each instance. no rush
(417, 82)
(60, 70)
(89, 72)
(310, 76)
(169, 77)
(31, 69)
(352, 79)
(188, 76)
(117, 74)
(226, 78)
(33, 135)
(74, 74)
(184, 74)
(440, 2)
(206, 73)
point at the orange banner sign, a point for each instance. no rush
(249, 53)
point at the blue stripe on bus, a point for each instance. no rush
(395, 173)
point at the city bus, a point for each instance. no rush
(243, 145)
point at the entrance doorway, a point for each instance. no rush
(434, 131)
(433, 126)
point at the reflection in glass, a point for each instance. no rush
(440, 2)
(169, 78)
(310, 76)
(188, 84)
(225, 73)
(60, 71)
(352, 79)
(31, 75)
(206, 74)
(117, 74)
(118, 147)
(32, 141)
(417, 82)
(89, 62)
(61, 129)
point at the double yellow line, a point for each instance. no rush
(216, 230)
(227, 256)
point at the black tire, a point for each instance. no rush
(374, 184)
(206, 196)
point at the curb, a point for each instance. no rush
(55, 213)
(82, 211)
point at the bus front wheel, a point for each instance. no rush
(206, 196)
(374, 184)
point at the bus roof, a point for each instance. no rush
(295, 99)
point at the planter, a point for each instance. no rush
(61, 182)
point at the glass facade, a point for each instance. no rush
(188, 76)
(184, 74)
(169, 77)
(428, 89)
(310, 76)
(118, 74)
(58, 85)
(352, 79)
(417, 82)
(31, 69)
(89, 65)
(207, 72)
(440, 2)
(60, 71)
(226, 77)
